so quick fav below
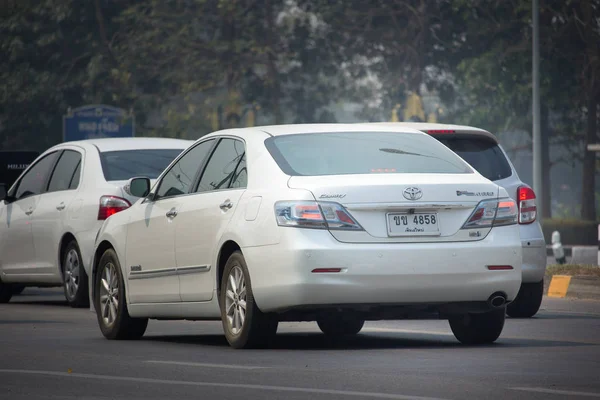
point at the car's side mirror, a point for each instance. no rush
(3, 191)
(138, 187)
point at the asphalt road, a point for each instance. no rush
(49, 351)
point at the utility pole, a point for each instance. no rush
(537, 134)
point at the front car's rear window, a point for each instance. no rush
(122, 165)
(483, 155)
(344, 153)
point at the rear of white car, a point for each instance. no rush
(483, 152)
(381, 222)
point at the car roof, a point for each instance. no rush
(429, 126)
(115, 144)
(300, 129)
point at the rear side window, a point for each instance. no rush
(363, 153)
(66, 172)
(126, 164)
(223, 168)
(485, 156)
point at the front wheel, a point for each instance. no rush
(75, 281)
(340, 325)
(481, 328)
(245, 326)
(528, 301)
(110, 303)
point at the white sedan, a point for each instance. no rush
(50, 217)
(330, 223)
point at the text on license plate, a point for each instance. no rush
(420, 224)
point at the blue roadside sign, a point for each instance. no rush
(97, 121)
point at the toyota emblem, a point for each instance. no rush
(412, 193)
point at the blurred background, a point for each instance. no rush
(184, 68)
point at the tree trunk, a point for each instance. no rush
(588, 189)
(271, 66)
(546, 195)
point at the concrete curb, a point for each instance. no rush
(577, 287)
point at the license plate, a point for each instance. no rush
(418, 224)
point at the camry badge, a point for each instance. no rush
(412, 193)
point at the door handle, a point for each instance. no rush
(60, 207)
(29, 211)
(172, 213)
(226, 205)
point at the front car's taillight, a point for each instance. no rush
(527, 206)
(490, 213)
(316, 215)
(110, 205)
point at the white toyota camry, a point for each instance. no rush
(331, 223)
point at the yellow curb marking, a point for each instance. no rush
(559, 286)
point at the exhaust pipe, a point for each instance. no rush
(497, 300)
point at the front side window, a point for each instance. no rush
(363, 153)
(180, 177)
(34, 181)
(222, 167)
(64, 175)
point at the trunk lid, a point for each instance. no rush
(386, 205)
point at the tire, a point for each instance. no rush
(17, 289)
(75, 280)
(528, 301)
(340, 325)
(111, 308)
(249, 327)
(481, 328)
(5, 292)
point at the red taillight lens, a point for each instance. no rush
(110, 205)
(440, 131)
(527, 206)
(312, 214)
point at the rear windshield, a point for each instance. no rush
(485, 156)
(125, 164)
(363, 153)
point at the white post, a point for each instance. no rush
(538, 181)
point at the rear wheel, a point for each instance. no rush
(245, 326)
(340, 325)
(5, 292)
(75, 281)
(528, 301)
(481, 328)
(110, 303)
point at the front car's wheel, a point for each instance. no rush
(483, 328)
(245, 326)
(110, 302)
(528, 301)
(75, 281)
(5, 292)
(340, 325)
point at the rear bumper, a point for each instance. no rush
(381, 274)
(534, 252)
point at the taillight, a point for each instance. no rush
(490, 213)
(110, 205)
(440, 131)
(316, 215)
(527, 206)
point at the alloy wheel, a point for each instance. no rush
(72, 274)
(235, 300)
(109, 294)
